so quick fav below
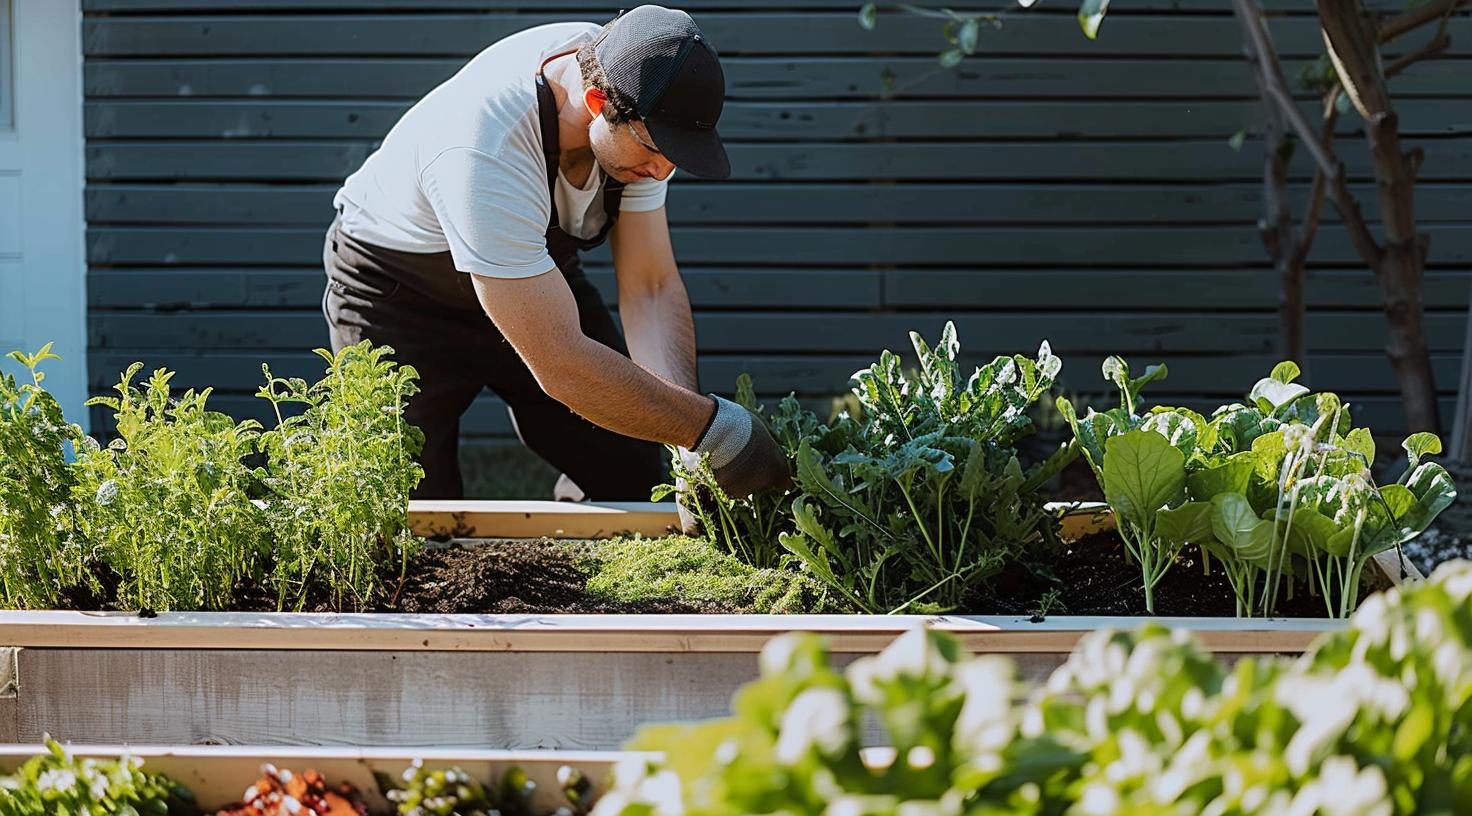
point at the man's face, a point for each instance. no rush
(624, 151)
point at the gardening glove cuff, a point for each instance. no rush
(744, 458)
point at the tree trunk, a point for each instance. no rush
(1353, 41)
(1461, 433)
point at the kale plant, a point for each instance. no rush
(57, 784)
(915, 505)
(166, 503)
(339, 476)
(41, 549)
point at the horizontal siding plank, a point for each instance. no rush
(1124, 289)
(1451, 244)
(768, 121)
(774, 375)
(741, 203)
(1207, 160)
(774, 288)
(1198, 6)
(734, 33)
(754, 77)
(825, 332)
(267, 288)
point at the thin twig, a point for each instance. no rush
(1415, 18)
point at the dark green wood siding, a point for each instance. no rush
(1052, 187)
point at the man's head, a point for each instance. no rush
(655, 88)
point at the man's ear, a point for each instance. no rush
(595, 100)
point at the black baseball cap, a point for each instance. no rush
(658, 58)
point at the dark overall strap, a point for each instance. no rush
(613, 189)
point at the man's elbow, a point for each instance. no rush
(562, 374)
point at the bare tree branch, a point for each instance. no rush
(1417, 17)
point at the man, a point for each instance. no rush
(457, 244)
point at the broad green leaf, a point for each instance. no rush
(868, 16)
(1398, 498)
(1231, 476)
(1306, 529)
(969, 32)
(1091, 16)
(1434, 491)
(1362, 442)
(1270, 394)
(1420, 444)
(1235, 525)
(1269, 452)
(1188, 524)
(1286, 371)
(1238, 425)
(1178, 429)
(1142, 473)
(951, 57)
(1341, 542)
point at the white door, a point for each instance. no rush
(42, 264)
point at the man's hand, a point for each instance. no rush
(744, 457)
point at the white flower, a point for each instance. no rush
(1343, 789)
(913, 654)
(817, 717)
(776, 655)
(56, 780)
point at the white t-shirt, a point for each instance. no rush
(463, 170)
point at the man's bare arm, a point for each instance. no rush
(653, 305)
(539, 317)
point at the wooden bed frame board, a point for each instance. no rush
(217, 775)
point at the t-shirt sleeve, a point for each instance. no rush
(644, 196)
(494, 212)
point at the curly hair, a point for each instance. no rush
(620, 108)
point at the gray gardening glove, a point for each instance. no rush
(744, 458)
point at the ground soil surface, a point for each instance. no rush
(1092, 577)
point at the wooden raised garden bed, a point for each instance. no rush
(583, 682)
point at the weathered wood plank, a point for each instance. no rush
(230, 371)
(752, 77)
(734, 33)
(1451, 244)
(837, 332)
(1124, 289)
(765, 121)
(707, 287)
(1208, 160)
(745, 202)
(215, 6)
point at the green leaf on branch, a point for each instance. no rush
(1091, 16)
(1188, 524)
(968, 35)
(868, 16)
(1286, 371)
(951, 57)
(1418, 445)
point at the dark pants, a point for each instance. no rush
(428, 311)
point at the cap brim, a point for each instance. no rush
(697, 152)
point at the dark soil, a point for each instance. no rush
(1093, 578)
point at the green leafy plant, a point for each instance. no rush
(166, 504)
(339, 475)
(41, 549)
(1372, 720)
(913, 507)
(1277, 489)
(746, 527)
(453, 792)
(58, 784)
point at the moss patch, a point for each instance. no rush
(640, 569)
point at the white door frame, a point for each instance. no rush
(41, 162)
